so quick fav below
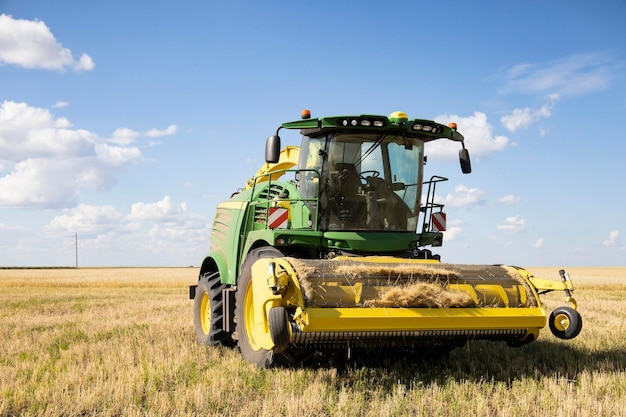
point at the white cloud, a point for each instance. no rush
(30, 132)
(509, 199)
(453, 230)
(31, 44)
(464, 196)
(452, 233)
(9, 227)
(45, 163)
(117, 156)
(573, 75)
(479, 138)
(60, 104)
(124, 136)
(522, 118)
(39, 182)
(519, 118)
(161, 210)
(170, 223)
(154, 133)
(93, 220)
(538, 244)
(613, 240)
(162, 227)
(514, 224)
(87, 219)
(85, 63)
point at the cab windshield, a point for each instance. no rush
(366, 181)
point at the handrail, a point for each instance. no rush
(430, 205)
(271, 177)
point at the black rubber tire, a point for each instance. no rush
(279, 327)
(573, 322)
(263, 358)
(208, 316)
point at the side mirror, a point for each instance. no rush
(272, 149)
(464, 159)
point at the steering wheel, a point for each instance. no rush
(373, 173)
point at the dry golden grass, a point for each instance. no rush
(587, 276)
(415, 271)
(116, 342)
(353, 271)
(422, 294)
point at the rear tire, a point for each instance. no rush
(565, 322)
(208, 315)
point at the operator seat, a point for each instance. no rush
(349, 179)
(349, 203)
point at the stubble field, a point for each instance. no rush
(118, 342)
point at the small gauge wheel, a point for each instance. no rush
(565, 322)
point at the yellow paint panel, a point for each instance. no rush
(237, 205)
(395, 319)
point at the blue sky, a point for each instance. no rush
(126, 123)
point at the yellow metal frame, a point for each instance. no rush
(289, 157)
(415, 319)
(266, 294)
(545, 285)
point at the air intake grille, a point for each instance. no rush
(267, 194)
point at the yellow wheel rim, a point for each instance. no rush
(205, 313)
(248, 317)
(561, 322)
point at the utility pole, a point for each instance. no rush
(76, 245)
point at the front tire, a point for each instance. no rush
(208, 314)
(244, 312)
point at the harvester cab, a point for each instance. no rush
(365, 174)
(337, 256)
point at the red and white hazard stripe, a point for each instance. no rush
(278, 218)
(439, 222)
